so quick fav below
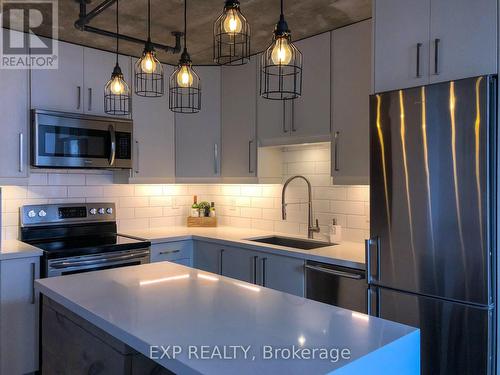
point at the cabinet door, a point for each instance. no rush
(351, 82)
(311, 112)
(282, 273)
(60, 89)
(240, 264)
(19, 316)
(466, 35)
(154, 152)
(97, 69)
(208, 257)
(197, 136)
(14, 99)
(401, 31)
(239, 95)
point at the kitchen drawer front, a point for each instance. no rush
(171, 251)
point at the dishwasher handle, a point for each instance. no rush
(334, 272)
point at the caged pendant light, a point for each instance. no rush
(231, 36)
(149, 76)
(116, 91)
(281, 66)
(184, 83)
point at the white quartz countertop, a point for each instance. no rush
(163, 304)
(12, 249)
(348, 254)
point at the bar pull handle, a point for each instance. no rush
(136, 156)
(250, 170)
(437, 43)
(78, 96)
(33, 273)
(336, 151)
(90, 99)
(255, 258)
(21, 152)
(166, 252)
(419, 48)
(368, 262)
(216, 158)
(293, 117)
(264, 271)
(368, 301)
(112, 136)
(221, 253)
(285, 130)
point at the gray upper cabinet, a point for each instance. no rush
(239, 123)
(14, 107)
(428, 41)
(463, 39)
(311, 112)
(60, 89)
(401, 43)
(306, 119)
(97, 68)
(351, 78)
(197, 136)
(154, 150)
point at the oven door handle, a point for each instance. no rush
(68, 264)
(112, 154)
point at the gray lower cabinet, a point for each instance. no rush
(351, 77)
(198, 135)
(278, 272)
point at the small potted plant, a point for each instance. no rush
(204, 208)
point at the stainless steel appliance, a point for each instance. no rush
(336, 285)
(79, 238)
(431, 258)
(68, 140)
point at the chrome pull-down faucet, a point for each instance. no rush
(310, 228)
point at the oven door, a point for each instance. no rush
(77, 141)
(87, 263)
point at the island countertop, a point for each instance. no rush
(348, 254)
(163, 304)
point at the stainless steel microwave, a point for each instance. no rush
(69, 140)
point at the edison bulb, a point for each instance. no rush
(185, 77)
(148, 64)
(232, 23)
(282, 52)
(117, 87)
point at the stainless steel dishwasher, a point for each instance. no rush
(336, 285)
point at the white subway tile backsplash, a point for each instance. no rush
(246, 206)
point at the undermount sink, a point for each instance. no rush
(297, 243)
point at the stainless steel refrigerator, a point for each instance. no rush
(431, 258)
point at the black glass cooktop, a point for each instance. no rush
(75, 246)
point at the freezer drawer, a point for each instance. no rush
(455, 338)
(339, 286)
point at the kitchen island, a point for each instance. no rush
(194, 322)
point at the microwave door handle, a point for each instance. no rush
(113, 145)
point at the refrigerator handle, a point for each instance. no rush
(368, 259)
(372, 301)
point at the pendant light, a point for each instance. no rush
(149, 77)
(281, 65)
(116, 91)
(185, 84)
(231, 36)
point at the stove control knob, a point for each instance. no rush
(31, 213)
(109, 210)
(93, 211)
(101, 211)
(42, 213)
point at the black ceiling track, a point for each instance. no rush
(84, 18)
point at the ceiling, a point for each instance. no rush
(305, 18)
